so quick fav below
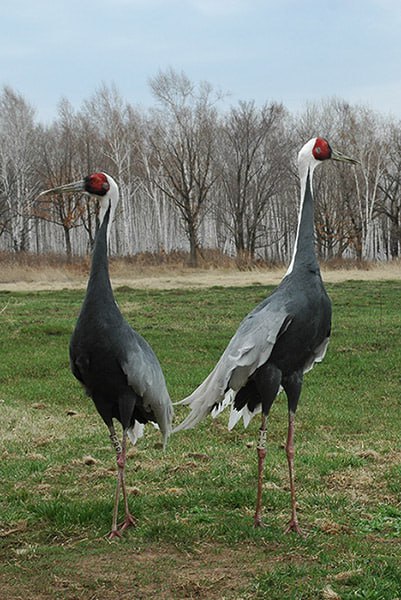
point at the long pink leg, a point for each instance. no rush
(293, 524)
(257, 520)
(114, 529)
(128, 519)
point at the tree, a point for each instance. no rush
(18, 166)
(63, 154)
(118, 125)
(184, 141)
(390, 186)
(252, 167)
(372, 156)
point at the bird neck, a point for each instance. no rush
(304, 256)
(99, 280)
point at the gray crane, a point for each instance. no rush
(116, 366)
(277, 342)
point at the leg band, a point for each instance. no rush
(262, 439)
(116, 443)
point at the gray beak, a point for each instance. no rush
(335, 155)
(76, 186)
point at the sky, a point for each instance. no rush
(289, 51)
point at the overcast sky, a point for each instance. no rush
(291, 51)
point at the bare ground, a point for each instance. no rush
(17, 278)
(140, 573)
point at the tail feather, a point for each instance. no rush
(207, 395)
(235, 416)
(227, 400)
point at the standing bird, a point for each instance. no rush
(115, 365)
(278, 341)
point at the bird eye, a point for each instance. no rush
(318, 150)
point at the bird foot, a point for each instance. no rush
(114, 533)
(294, 526)
(129, 521)
(257, 521)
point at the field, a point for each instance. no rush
(195, 502)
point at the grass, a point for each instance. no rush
(195, 503)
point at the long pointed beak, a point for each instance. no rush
(76, 186)
(335, 155)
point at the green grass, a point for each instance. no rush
(195, 502)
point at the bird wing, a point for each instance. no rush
(145, 376)
(247, 350)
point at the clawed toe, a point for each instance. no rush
(293, 526)
(129, 521)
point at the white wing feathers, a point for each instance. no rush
(146, 378)
(318, 355)
(136, 432)
(247, 350)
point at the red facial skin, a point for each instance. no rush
(321, 149)
(97, 184)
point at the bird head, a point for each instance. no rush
(317, 150)
(98, 185)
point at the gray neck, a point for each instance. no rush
(99, 286)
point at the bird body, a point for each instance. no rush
(115, 365)
(281, 339)
(285, 334)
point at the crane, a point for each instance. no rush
(116, 366)
(277, 342)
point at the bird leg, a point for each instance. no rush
(257, 521)
(121, 458)
(293, 524)
(128, 519)
(114, 529)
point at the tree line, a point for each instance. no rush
(193, 176)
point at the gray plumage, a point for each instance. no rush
(116, 366)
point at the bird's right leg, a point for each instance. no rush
(128, 519)
(267, 380)
(121, 452)
(257, 521)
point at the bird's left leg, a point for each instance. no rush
(292, 388)
(290, 450)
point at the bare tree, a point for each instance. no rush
(253, 168)
(18, 161)
(184, 141)
(119, 128)
(390, 186)
(64, 151)
(372, 156)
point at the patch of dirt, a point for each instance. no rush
(157, 278)
(122, 573)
